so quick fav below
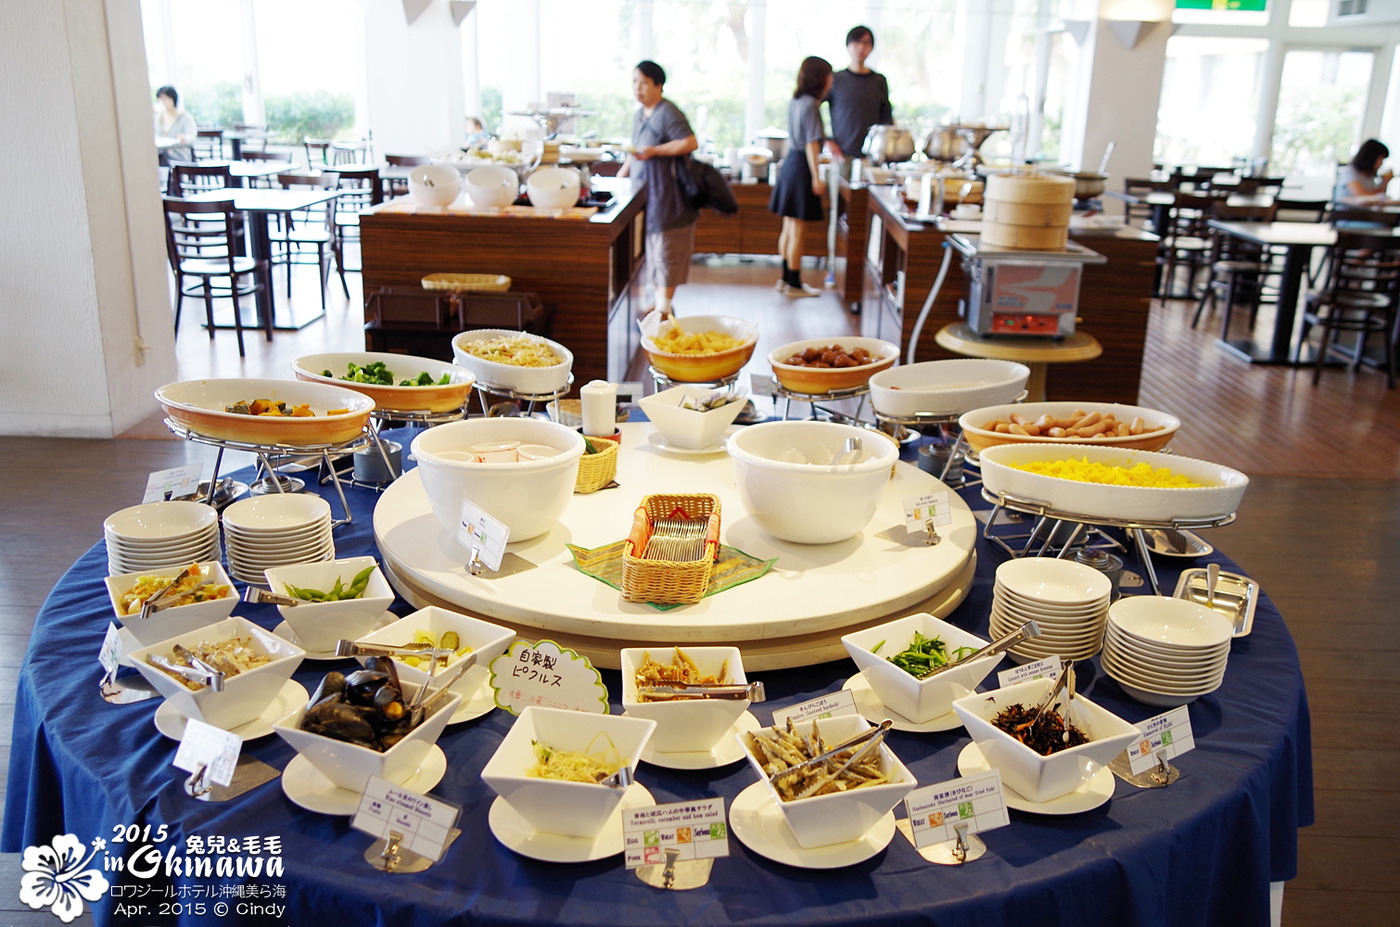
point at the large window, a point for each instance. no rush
(1320, 105)
(1210, 97)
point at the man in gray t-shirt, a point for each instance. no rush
(859, 97)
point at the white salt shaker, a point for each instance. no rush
(599, 401)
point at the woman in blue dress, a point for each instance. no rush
(797, 197)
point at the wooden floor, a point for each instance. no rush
(1319, 528)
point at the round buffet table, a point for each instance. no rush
(1202, 851)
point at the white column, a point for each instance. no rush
(413, 74)
(471, 66)
(82, 260)
(253, 111)
(758, 41)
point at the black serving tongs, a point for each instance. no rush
(1024, 632)
(753, 691)
(200, 672)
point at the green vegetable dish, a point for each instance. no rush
(378, 374)
(338, 592)
(923, 656)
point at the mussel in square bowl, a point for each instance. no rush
(267, 412)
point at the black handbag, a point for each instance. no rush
(704, 186)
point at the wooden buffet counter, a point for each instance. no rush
(586, 267)
(1114, 298)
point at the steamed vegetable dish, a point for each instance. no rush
(338, 592)
(379, 374)
(924, 655)
(276, 408)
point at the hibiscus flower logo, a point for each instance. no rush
(57, 877)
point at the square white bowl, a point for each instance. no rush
(170, 622)
(318, 625)
(686, 725)
(244, 696)
(687, 427)
(553, 806)
(919, 700)
(485, 639)
(351, 765)
(1040, 778)
(841, 816)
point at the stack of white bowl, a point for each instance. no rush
(276, 530)
(1069, 601)
(159, 536)
(1165, 651)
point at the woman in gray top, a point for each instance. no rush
(173, 122)
(661, 140)
(1361, 181)
(797, 196)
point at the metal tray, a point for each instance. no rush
(1235, 596)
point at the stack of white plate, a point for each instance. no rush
(276, 530)
(1069, 601)
(1165, 651)
(160, 535)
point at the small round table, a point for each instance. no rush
(1034, 353)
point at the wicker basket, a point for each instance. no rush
(669, 581)
(458, 282)
(597, 470)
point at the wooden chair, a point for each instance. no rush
(1238, 268)
(1185, 242)
(203, 240)
(260, 182)
(360, 188)
(251, 145)
(413, 320)
(1358, 296)
(188, 178)
(317, 151)
(398, 186)
(311, 233)
(358, 151)
(1291, 210)
(209, 145)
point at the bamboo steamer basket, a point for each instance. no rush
(1028, 211)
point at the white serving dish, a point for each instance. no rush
(946, 387)
(199, 406)
(318, 625)
(840, 817)
(530, 381)
(434, 184)
(919, 700)
(350, 766)
(821, 380)
(172, 622)
(277, 516)
(1054, 583)
(980, 438)
(809, 503)
(527, 495)
(431, 398)
(554, 806)
(492, 186)
(1219, 496)
(553, 187)
(688, 428)
(244, 696)
(685, 725)
(485, 639)
(1170, 623)
(158, 525)
(1035, 777)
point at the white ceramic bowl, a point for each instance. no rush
(687, 427)
(980, 438)
(1220, 494)
(1041, 778)
(685, 725)
(946, 387)
(432, 398)
(351, 765)
(553, 806)
(553, 188)
(528, 496)
(244, 696)
(492, 186)
(434, 184)
(171, 622)
(318, 625)
(841, 816)
(919, 700)
(1174, 624)
(809, 503)
(277, 516)
(485, 639)
(531, 381)
(199, 405)
(1053, 581)
(157, 524)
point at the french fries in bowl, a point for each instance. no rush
(1107, 424)
(698, 348)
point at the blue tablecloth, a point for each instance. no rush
(1202, 851)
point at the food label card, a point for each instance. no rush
(840, 702)
(1048, 668)
(213, 748)
(174, 483)
(1168, 734)
(935, 811)
(487, 536)
(111, 653)
(424, 824)
(930, 509)
(762, 385)
(694, 829)
(549, 676)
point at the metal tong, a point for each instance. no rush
(345, 648)
(150, 606)
(259, 596)
(201, 672)
(871, 738)
(1024, 632)
(753, 691)
(423, 705)
(1066, 678)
